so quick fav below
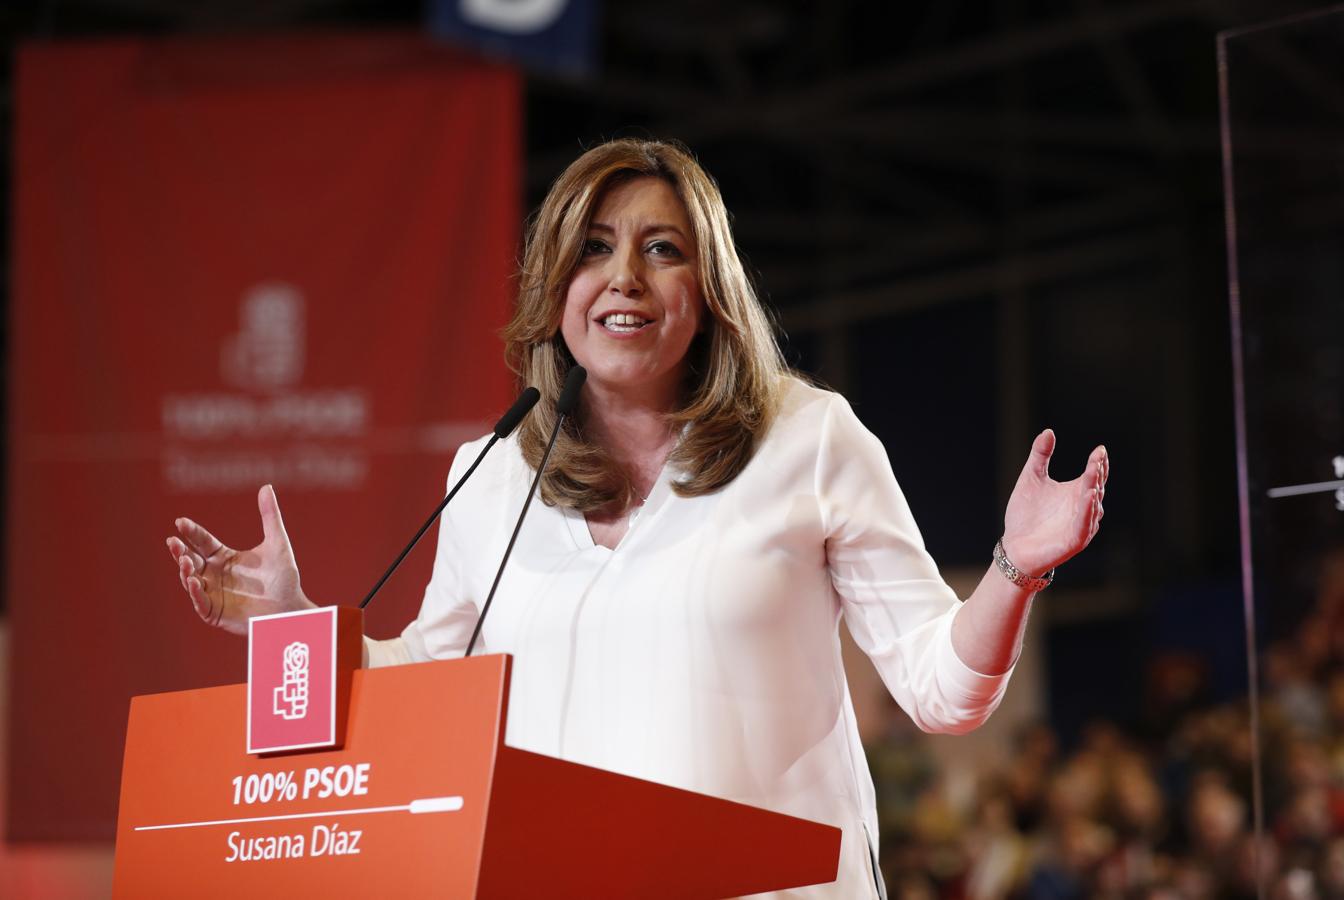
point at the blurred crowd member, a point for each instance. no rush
(997, 853)
(1177, 684)
(1290, 683)
(1029, 773)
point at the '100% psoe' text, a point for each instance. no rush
(314, 783)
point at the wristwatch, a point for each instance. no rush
(1016, 575)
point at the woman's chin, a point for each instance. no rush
(606, 377)
(616, 377)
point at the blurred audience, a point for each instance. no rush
(1156, 811)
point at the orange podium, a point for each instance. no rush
(424, 799)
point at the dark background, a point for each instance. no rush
(975, 220)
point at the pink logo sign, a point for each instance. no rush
(291, 681)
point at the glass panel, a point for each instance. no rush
(1283, 150)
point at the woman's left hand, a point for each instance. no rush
(1048, 521)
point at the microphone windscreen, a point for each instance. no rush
(509, 421)
(569, 394)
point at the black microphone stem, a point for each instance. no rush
(569, 396)
(503, 428)
(480, 621)
(428, 522)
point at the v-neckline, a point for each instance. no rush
(583, 537)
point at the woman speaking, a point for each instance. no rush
(709, 517)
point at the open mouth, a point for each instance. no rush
(624, 323)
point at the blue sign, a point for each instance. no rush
(548, 35)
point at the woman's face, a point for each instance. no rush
(633, 304)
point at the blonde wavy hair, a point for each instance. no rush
(735, 366)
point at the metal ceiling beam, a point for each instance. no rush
(898, 246)
(1133, 84)
(1029, 269)
(702, 115)
(983, 153)
(974, 57)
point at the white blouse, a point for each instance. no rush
(703, 652)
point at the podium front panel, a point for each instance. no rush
(399, 811)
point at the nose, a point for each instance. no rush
(626, 279)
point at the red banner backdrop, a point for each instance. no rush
(237, 261)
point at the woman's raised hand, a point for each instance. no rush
(229, 586)
(1049, 521)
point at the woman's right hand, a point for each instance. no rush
(229, 586)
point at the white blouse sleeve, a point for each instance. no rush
(897, 606)
(447, 616)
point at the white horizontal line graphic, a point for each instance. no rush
(423, 805)
(1319, 487)
(134, 446)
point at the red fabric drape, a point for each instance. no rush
(236, 261)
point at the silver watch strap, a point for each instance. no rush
(1017, 576)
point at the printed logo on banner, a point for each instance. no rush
(263, 426)
(556, 35)
(291, 681)
(267, 352)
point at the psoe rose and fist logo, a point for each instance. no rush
(259, 422)
(291, 697)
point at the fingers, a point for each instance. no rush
(272, 526)
(186, 568)
(1041, 450)
(1101, 488)
(198, 552)
(189, 570)
(197, 538)
(205, 607)
(1095, 472)
(188, 562)
(1098, 459)
(1094, 495)
(176, 549)
(1091, 487)
(191, 574)
(181, 551)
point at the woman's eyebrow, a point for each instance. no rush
(672, 228)
(648, 229)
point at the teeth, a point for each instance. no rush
(624, 322)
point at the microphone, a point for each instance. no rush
(507, 422)
(569, 395)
